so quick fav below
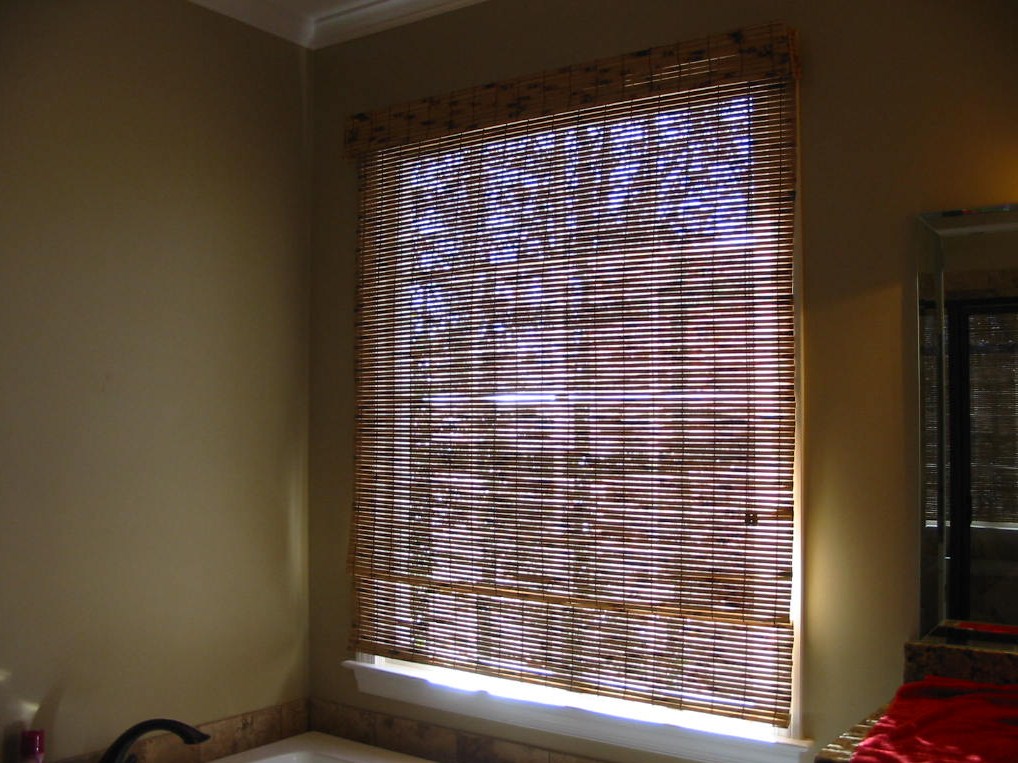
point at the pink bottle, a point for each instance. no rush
(33, 745)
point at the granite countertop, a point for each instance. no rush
(975, 660)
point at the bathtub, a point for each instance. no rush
(315, 747)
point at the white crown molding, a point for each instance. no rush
(267, 16)
(350, 18)
(370, 16)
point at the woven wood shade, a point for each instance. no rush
(576, 408)
(993, 405)
(752, 54)
(934, 462)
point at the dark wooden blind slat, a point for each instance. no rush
(576, 407)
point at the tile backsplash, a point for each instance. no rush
(426, 740)
(228, 736)
(260, 727)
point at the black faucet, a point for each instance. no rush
(117, 752)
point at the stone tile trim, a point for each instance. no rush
(229, 735)
(425, 740)
(970, 663)
(261, 727)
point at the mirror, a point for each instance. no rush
(968, 368)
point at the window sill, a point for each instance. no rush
(660, 738)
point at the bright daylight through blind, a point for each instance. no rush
(576, 400)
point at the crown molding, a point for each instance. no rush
(349, 20)
(370, 16)
(267, 16)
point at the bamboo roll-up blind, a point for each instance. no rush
(751, 54)
(576, 398)
(993, 405)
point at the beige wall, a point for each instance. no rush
(907, 106)
(153, 332)
(153, 345)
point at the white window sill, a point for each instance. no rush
(753, 745)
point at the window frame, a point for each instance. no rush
(375, 676)
(687, 738)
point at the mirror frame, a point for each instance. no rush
(932, 370)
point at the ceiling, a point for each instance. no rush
(317, 23)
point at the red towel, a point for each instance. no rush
(946, 720)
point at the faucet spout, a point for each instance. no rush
(117, 752)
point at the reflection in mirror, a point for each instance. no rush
(968, 318)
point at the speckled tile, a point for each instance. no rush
(221, 742)
(966, 662)
(293, 718)
(561, 757)
(478, 749)
(425, 740)
(323, 716)
(241, 732)
(254, 729)
(343, 721)
(166, 748)
(260, 728)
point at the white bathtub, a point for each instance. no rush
(314, 747)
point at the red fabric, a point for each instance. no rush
(1009, 630)
(945, 720)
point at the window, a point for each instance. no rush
(576, 405)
